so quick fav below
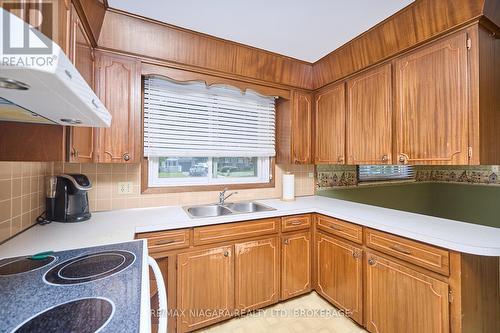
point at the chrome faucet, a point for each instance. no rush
(223, 197)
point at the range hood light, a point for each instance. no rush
(13, 84)
(71, 121)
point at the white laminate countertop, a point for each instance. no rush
(121, 225)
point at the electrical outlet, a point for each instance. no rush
(495, 168)
(311, 174)
(125, 187)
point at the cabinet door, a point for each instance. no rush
(205, 289)
(340, 274)
(256, 273)
(330, 125)
(81, 139)
(301, 127)
(399, 299)
(431, 103)
(369, 117)
(296, 259)
(118, 86)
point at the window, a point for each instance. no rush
(368, 173)
(194, 135)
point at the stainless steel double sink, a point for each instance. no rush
(226, 209)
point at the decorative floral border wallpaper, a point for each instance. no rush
(334, 176)
(331, 176)
(484, 175)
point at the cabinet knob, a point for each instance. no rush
(385, 158)
(340, 159)
(126, 157)
(285, 241)
(226, 254)
(403, 158)
(372, 261)
(356, 254)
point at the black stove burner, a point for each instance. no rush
(89, 267)
(86, 315)
(24, 265)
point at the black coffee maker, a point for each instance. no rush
(67, 199)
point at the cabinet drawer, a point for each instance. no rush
(340, 228)
(230, 231)
(427, 256)
(296, 222)
(162, 241)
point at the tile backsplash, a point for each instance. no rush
(22, 195)
(105, 179)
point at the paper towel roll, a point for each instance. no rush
(288, 187)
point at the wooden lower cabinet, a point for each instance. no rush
(296, 264)
(339, 274)
(256, 273)
(205, 287)
(400, 299)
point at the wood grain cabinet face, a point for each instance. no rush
(340, 228)
(427, 256)
(339, 274)
(160, 242)
(81, 139)
(119, 88)
(205, 287)
(431, 103)
(295, 222)
(369, 117)
(296, 264)
(399, 299)
(256, 273)
(330, 125)
(301, 128)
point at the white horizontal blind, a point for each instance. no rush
(191, 120)
(385, 172)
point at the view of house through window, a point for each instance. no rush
(220, 167)
(208, 170)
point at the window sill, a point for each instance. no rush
(200, 188)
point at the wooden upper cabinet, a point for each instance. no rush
(296, 264)
(301, 127)
(204, 282)
(256, 273)
(431, 103)
(293, 129)
(81, 140)
(330, 125)
(399, 299)
(369, 117)
(118, 81)
(339, 273)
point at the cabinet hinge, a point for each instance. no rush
(469, 43)
(450, 296)
(470, 152)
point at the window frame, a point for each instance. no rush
(185, 75)
(155, 181)
(147, 189)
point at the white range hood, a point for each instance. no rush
(38, 83)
